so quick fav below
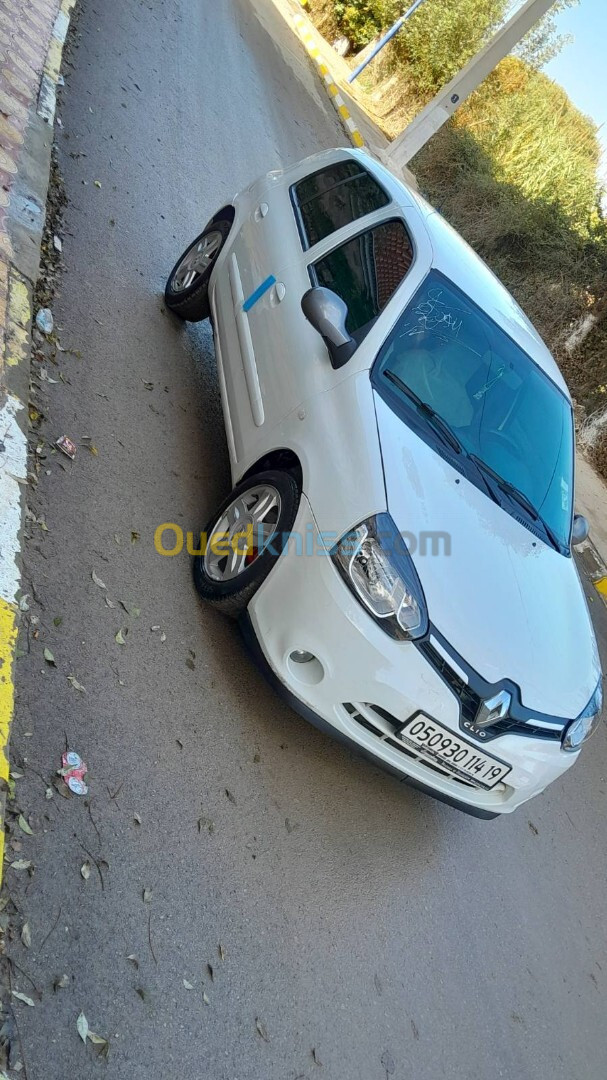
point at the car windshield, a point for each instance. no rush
(447, 361)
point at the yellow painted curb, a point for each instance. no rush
(301, 25)
(8, 639)
(53, 59)
(601, 586)
(19, 313)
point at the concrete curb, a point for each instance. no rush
(25, 222)
(301, 24)
(594, 567)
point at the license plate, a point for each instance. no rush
(433, 741)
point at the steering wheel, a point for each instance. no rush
(509, 444)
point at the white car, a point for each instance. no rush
(397, 544)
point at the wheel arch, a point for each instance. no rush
(227, 213)
(282, 458)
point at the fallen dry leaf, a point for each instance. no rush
(130, 609)
(21, 864)
(26, 935)
(98, 1040)
(48, 656)
(77, 686)
(23, 825)
(61, 982)
(83, 1026)
(147, 896)
(24, 998)
(98, 580)
(262, 1030)
(85, 870)
(61, 788)
(187, 985)
(119, 638)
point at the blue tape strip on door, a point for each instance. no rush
(257, 295)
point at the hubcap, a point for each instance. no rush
(196, 261)
(242, 533)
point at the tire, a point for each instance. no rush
(232, 594)
(191, 301)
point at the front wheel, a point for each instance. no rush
(187, 289)
(244, 539)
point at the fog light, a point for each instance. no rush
(305, 667)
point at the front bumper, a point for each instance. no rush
(362, 675)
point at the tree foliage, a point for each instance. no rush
(442, 35)
(435, 42)
(543, 42)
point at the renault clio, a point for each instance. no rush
(398, 542)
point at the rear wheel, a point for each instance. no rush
(244, 539)
(187, 289)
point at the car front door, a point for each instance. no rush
(351, 238)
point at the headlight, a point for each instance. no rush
(578, 731)
(373, 560)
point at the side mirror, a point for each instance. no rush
(327, 313)
(581, 529)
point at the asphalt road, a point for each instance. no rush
(391, 934)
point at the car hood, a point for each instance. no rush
(509, 604)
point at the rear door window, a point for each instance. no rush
(334, 197)
(366, 271)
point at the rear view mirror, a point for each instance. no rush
(581, 529)
(327, 313)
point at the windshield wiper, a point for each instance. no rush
(517, 496)
(506, 486)
(448, 435)
(440, 425)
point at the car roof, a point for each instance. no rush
(454, 258)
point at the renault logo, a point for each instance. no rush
(495, 708)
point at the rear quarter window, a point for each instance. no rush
(334, 197)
